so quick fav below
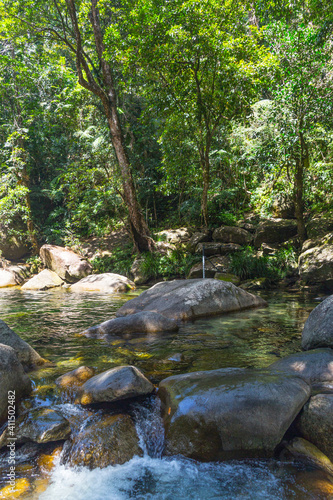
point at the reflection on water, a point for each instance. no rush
(51, 321)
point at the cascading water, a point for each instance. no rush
(170, 478)
(149, 427)
(50, 322)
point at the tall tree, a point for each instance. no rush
(79, 28)
(201, 60)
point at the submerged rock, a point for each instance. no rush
(142, 322)
(40, 425)
(107, 282)
(318, 329)
(25, 353)
(110, 441)
(14, 382)
(302, 449)
(316, 422)
(116, 384)
(75, 377)
(229, 413)
(315, 367)
(43, 281)
(190, 299)
(67, 264)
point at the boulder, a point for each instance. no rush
(141, 322)
(40, 425)
(190, 299)
(25, 353)
(218, 248)
(197, 238)
(67, 264)
(302, 449)
(315, 366)
(175, 236)
(229, 413)
(248, 226)
(256, 284)
(196, 271)
(319, 226)
(119, 383)
(318, 328)
(316, 264)
(139, 277)
(316, 422)
(13, 246)
(43, 281)
(13, 380)
(107, 283)
(12, 276)
(283, 206)
(231, 278)
(274, 231)
(110, 441)
(75, 377)
(231, 234)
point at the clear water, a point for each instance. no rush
(51, 321)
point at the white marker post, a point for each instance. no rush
(203, 262)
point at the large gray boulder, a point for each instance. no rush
(283, 206)
(197, 238)
(67, 264)
(190, 299)
(215, 248)
(316, 263)
(12, 276)
(175, 236)
(319, 226)
(25, 353)
(106, 282)
(314, 366)
(142, 322)
(231, 234)
(13, 242)
(13, 380)
(119, 383)
(316, 422)
(318, 329)
(110, 441)
(40, 425)
(229, 413)
(275, 231)
(43, 281)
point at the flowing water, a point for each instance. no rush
(51, 321)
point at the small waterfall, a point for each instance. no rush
(150, 429)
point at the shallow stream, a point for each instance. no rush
(51, 321)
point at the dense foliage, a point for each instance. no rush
(223, 107)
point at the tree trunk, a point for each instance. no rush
(302, 162)
(138, 226)
(103, 86)
(205, 181)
